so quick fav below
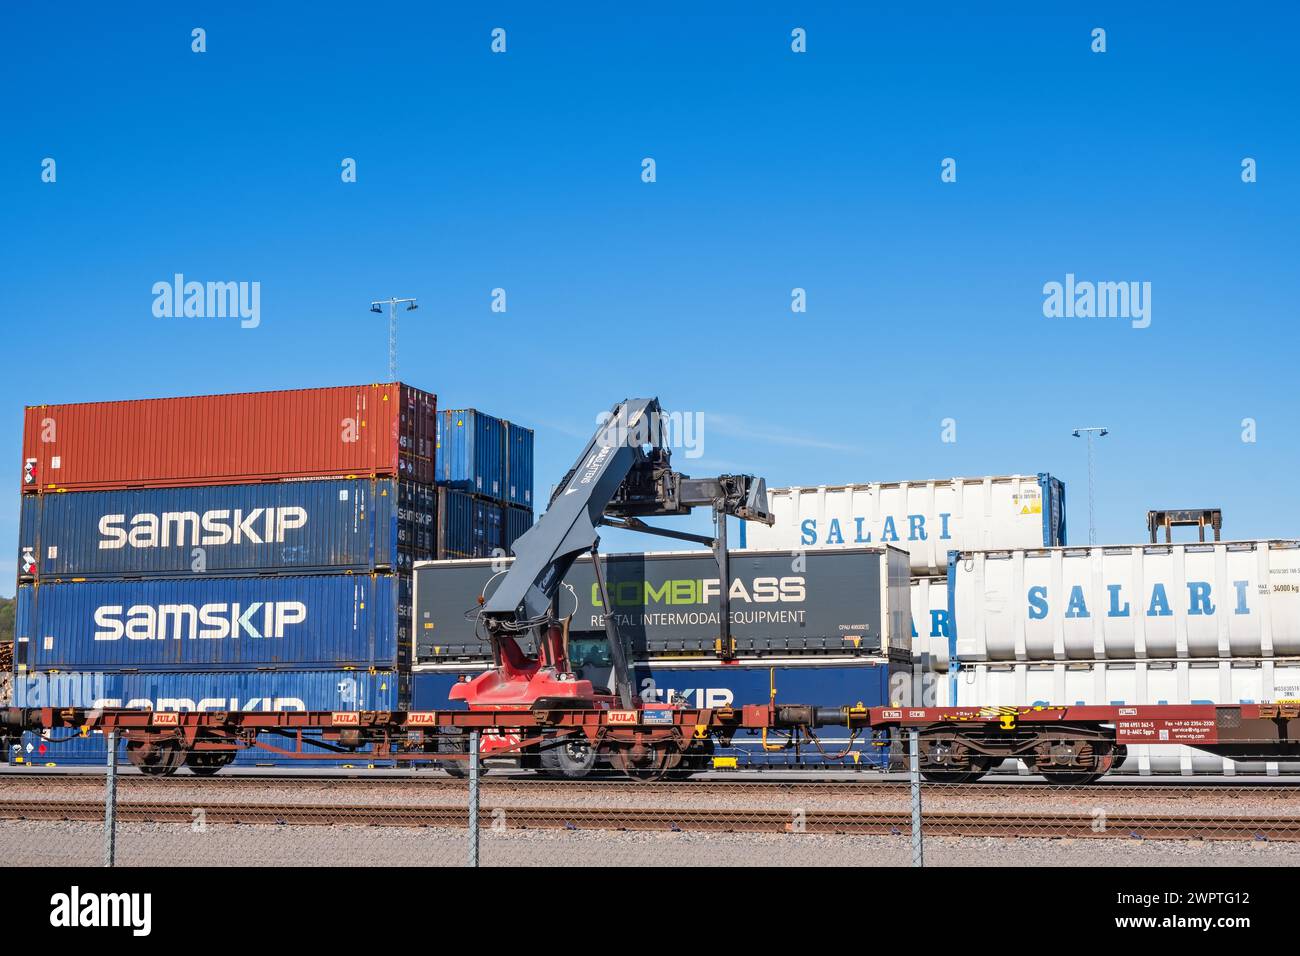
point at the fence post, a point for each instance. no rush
(473, 798)
(110, 802)
(914, 774)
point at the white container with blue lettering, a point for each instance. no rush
(1225, 600)
(925, 518)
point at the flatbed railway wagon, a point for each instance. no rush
(1065, 745)
(705, 683)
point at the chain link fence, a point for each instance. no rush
(490, 816)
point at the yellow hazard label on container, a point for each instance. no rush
(1028, 502)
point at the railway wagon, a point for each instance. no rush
(701, 683)
(211, 691)
(1233, 681)
(1066, 745)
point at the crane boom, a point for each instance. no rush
(546, 551)
(623, 475)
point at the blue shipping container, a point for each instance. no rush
(489, 528)
(294, 527)
(518, 520)
(703, 684)
(519, 465)
(469, 526)
(213, 690)
(471, 452)
(228, 623)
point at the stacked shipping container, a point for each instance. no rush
(485, 478)
(371, 430)
(928, 519)
(251, 548)
(295, 527)
(851, 603)
(1213, 600)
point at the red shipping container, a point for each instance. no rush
(371, 430)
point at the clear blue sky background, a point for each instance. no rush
(775, 170)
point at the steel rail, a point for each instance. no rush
(1017, 824)
(615, 784)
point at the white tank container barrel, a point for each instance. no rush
(926, 518)
(1135, 602)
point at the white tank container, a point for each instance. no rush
(1138, 682)
(1213, 600)
(931, 629)
(926, 518)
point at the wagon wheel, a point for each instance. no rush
(945, 760)
(156, 758)
(1088, 764)
(652, 764)
(207, 762)
(696, 759)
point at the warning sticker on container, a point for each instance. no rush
(1166, 730)
(1029, 502)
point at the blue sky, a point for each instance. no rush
(775, 170)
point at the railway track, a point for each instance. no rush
(617, 785)
(1019, 824)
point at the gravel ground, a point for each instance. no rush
(81, 844)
